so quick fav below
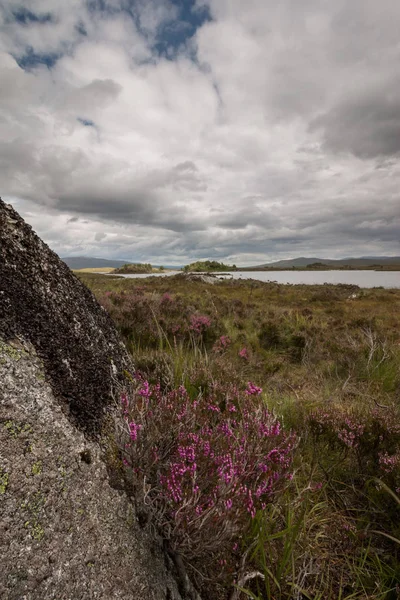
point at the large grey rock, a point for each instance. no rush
(43, 301)
(65, 533)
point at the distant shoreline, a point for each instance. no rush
(383, 268)
(325, 268)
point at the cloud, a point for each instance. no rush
(167, 132)
(366, 123)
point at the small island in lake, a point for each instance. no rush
(133, 269)
(202, 266)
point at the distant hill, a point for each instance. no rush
(87, 262)
(365, 261)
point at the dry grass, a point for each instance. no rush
(95, 270)
(328, 360)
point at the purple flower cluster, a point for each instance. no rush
(222, 343)
(166, 298)
(344, 427)
(252, 389)
(207, 464)
(134, 429)
(371, 438)
(199, 323)
(389, 462)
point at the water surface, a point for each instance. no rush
(364, 279)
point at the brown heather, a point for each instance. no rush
(328, 361)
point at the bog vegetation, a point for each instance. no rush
(136, 268)
(262, 432)
(208, 266)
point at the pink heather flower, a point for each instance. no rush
(223, 343)
(199, 323)
(134, 429)
(388, 463)
(316, 487)
(252, 389)
(223, 466)
(167, 298)
(145, 392)
(243, 353)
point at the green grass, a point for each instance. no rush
(314, 351)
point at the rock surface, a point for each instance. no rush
(202, 277)
(65, 533)
(42, 301)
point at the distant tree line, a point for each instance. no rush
(208, 265)
(134, 268)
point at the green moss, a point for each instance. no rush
(10, 352)
(15, 429)
(37, 468)
(34, 507)
(35, 530)
(4, 477)
(128, 376)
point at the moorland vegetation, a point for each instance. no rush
(202, 266)
(134, 268)
(261, 431)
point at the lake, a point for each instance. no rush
(364, 279)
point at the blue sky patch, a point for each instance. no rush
(176, 33)
(80, 28)
(25, 16)
(172, 34)
(32, 59)
(86, 122)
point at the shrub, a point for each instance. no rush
(371, 438)
(204, 463)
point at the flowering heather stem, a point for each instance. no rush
(207, 464)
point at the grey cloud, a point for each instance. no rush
(296, 153)
(253, 214)
(97, 94)
(128, 206)
(366, 124)
(188, 165)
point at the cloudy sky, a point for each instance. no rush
(173, 130)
